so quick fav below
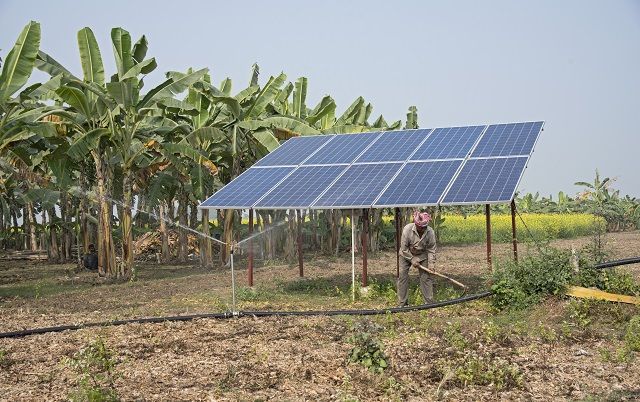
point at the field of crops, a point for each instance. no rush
(458, 229)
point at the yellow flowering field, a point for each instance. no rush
(458, 229)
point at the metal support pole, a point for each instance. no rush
(250, 245)
(488, 215)
(398, 225)
(353, 256)
(300, 260)
(513, 230)
(365, 245)
(233, 283)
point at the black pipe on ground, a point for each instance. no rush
(26, 332)
(615, 263)
(35, 331)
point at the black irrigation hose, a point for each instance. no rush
(34, 331)
(615, 263)
(26, 332)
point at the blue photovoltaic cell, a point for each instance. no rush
(419, 183)
(508, 139)
(358, 186)
(394, 146)
(448, 143)
(301, 187)
(342, 149)
(486, 180)
(247, 188)
(293, 151)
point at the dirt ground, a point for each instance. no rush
(549, 352)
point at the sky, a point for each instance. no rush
(573, 64)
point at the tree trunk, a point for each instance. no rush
(31, 227)
(205, 242)
(164, 237)
(193, 216)
(17, 239)
(54, 251)
(376, 228)
(106, 248)
(127, 270)
(182, 233)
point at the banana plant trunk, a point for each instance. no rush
(164, 239)
(106, 248)
(127, 225)
(182, 233)
(54, 250)
(205, 243)
(32, 227)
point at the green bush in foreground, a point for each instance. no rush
(519, 285)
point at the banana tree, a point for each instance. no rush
(112, 124)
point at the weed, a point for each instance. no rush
(519, 285)
(367, 350)
(94, 366)
(632, 335)
(579, 313)
(454, 337)
(478, 370)
(5, 360)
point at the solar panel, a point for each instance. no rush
(508, 139)
(486, 180)
(300, 188)
(359, 186)
(294, 151)
(394, 146)
(342, 149)
(247, 188)
(448, 143)
(419, 183)
(455, 165)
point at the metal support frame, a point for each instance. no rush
(365, 244)
(250, 245)
(513, 230)
(300, 259)
(353, 255)
(398, 225)
(488, 216)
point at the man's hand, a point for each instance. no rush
(415, 262)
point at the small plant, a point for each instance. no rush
(5, 361)
(367, 350)
(632, 335)
(95, 367)
(479, 370)
(579, 313)
(454, 337)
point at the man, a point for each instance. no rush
(90, 260)
(417, 247)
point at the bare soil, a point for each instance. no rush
(554, 355)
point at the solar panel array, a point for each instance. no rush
(449, 166)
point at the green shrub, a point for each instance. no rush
(95, 367)
(519, 285)
(632, 335)
(367, 350)
(454, 337)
